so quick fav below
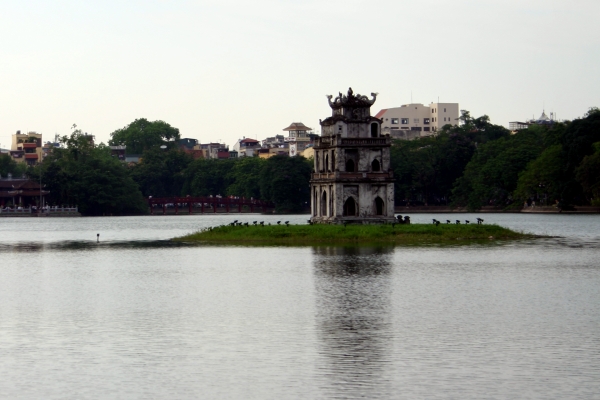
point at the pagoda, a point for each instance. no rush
(352, 181)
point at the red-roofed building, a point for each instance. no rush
(246, 147)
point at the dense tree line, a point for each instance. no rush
(89, 176)
(472, 165)
(480, 164)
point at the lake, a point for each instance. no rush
(136, 316)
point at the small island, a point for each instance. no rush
(353, 234)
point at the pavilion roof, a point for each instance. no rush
(297, 126)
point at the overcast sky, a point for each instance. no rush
(221, 70)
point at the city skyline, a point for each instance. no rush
(220, 72)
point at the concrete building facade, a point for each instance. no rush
(416, 120)
(27, 147)
(352, 180)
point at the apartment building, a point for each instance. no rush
(27, 147)
(415, 120)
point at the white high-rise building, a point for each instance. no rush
(416, 120)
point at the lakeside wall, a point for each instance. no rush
(541, 210)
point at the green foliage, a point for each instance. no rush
(204, 177)
(302, 235)
(543, 178)
(578, 142)
(142, 135)
(588, 175)
(87, 176)
(160, 173)
(491, 175)
(10, 166)
(245, 177)
(285, 181)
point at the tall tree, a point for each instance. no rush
(87, 176)
(142, 135)
(285, 182)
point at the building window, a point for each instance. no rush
(350, 165)
(415, 128)
(375, 166)
(444, 110)
(426, 120)
(426, 129)
(379, 206)
(444, 119)
(416, 120)
(339, 128)
(404, 121)
(395, 121)
(374, 130)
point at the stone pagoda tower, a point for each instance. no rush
(352, 181)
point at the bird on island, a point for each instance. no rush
(278, 222)
(467, 221)
(262, 223)
(437, 223)
(447, 221)
(457, 222)
(287, 223)
(254, 223)
(479, 221)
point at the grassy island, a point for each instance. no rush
(413, 234)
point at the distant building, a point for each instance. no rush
(274, 141)
(22, 192)
(416, 120)
(27, 147)
(247, 147)
(542, 120)
(298, 137)
(118, 152)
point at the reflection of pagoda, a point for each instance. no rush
(352, 180)
(20, 192)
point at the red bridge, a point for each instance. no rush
(208, 204)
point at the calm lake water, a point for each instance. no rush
(135, 316)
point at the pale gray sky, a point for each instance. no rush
(220, 70)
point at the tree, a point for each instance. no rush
(204, 177)
(87, 176)
(492, 174)
(543, 178)
(285, 181)
(142, 135)
(160, 172)
(245, 177)
(10, 166)
(588, 175)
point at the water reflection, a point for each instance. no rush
(73, 245)
(353, 316)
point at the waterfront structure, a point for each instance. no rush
(27, 147)
(542, 120)
(352, 181)
(416, 120)
(21, 192)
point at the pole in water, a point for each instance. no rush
(97, 238)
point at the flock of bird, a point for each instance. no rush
(405, 220)
(436, 222)
(261, 223)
